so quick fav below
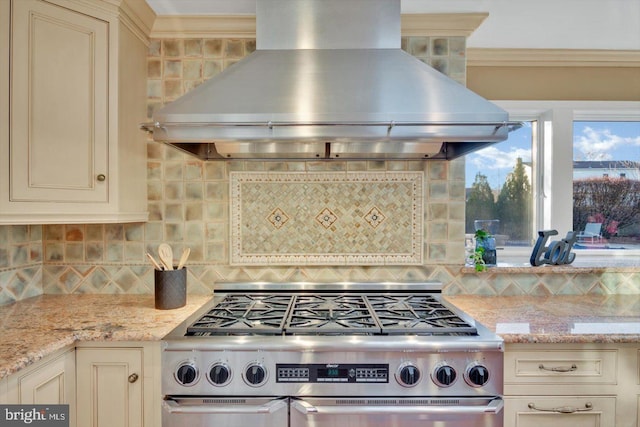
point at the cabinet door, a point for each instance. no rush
(59, 105)
(52, 383)
(4, 391)
(539, 411)
(109, 387)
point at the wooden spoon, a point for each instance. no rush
(183, 258)
(166, 256)
(153, 261)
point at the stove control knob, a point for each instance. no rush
(186, 374)
(219, 374)
(408, 375)
(255, 374)
(476, 375)
(444, 375)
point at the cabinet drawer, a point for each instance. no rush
(561, 367)
(560, 411)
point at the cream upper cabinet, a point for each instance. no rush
(72, 151)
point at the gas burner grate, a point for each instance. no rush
(419, 314)
(331, 314)
(244, 314)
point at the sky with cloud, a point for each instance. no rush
(606, 141)
(592, 141)
(498, 160)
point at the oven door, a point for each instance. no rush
(405, 412)
(227, 412)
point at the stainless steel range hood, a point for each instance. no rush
(328, 80)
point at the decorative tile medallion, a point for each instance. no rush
(374, 217)
(278, 218)
(326, 218)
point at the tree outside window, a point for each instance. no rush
(606, 183)
(499, 187)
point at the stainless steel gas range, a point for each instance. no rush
(328, 355)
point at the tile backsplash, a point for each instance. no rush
(326, 218)
(199, 205)
(20, 262)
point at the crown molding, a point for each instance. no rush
(492, 57)
(244, 26)
(219, 26)
(136, 15)
(140, 15)
(441, 24)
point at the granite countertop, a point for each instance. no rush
(557, 319)
(36, 327)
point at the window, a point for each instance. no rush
(499, 190)
(557, 136)
(606, 184)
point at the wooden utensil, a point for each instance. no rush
(166, 256)
(183, 258)
(153, 261)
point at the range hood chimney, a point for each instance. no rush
(328, 80)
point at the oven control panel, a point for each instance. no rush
(332, 373)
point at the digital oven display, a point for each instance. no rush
(332, 373)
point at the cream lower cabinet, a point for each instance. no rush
(118, 386)
(72, 99)
(580, 385)
(50, 381)
(545, 411)
(4, 390)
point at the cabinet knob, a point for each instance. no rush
(101, 177)
(133, 378)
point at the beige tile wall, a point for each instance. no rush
(189, 201)
(189, 204)
(20, 262)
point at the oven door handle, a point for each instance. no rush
(270, 407)
(493, 407)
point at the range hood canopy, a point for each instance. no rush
(328, 80)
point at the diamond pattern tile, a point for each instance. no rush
(360, 218)
(189, 204)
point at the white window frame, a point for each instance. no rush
(552, 157)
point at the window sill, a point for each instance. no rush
(516, 260)
(595, 266)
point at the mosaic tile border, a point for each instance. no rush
(270, 225)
